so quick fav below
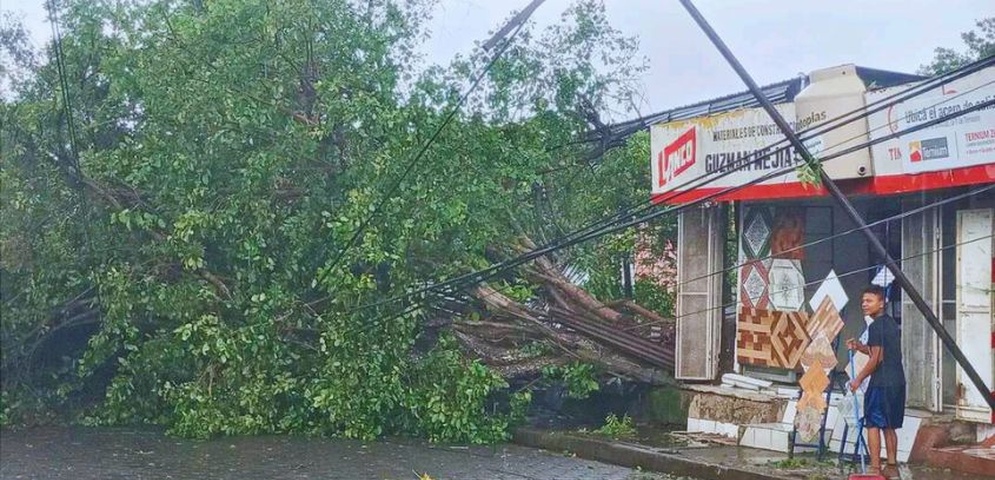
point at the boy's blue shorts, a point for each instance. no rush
(884, 407)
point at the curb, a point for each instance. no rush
(633, 456)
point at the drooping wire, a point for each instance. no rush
(463, 282)
(483, 275)
(596, 228)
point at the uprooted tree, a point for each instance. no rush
(179, 204)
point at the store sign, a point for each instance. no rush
(744, 144)
(965, 141)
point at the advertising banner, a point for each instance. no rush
(690, 155)
(962, 142)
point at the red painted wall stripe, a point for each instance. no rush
(882, 185)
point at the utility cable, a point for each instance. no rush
(890, 219)
(861, 113)
(464, 281)
(482, 275)
(704, 179)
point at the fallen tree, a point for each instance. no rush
(204, 235)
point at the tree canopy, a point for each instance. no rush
(980, 44)
(182, 182)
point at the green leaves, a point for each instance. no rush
(230, 153)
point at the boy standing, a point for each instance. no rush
(884, 401)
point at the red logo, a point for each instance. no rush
(678, 156)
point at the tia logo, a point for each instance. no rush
(678, 156)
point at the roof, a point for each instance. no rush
(780, 92)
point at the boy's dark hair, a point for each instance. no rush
(875, 290)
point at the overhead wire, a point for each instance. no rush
(887, 220)
(76, 177)
(807, 134)
(536, 253)
(483, 275)
(594, 227)
(464, 281)
(812, 132)
(900, 216)
(892, 218)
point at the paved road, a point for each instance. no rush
(91, 453)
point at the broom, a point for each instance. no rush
(863, 475)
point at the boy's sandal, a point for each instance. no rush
(890, 471)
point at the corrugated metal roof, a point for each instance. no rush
(780, 92)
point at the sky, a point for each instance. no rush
(774, 39)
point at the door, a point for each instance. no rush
(974, 309)
(920, 344)
(700, 239)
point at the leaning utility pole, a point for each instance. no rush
(840, 198)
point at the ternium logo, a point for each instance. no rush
(929, 149)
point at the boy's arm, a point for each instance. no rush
(872, 364)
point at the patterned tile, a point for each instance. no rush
(753, 343)
(753, 285)
(826, 320)
(808, 421)
(819, 355)
(789, 339)
(813, 384)
(789, 234)
(831, 287)
(787, 285)
(756, 233)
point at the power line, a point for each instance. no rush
(890, 219)
(482, 275)
(463, 281)
(898, 97)
(899, 216)
(597, 227)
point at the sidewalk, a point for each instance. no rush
(711, 462)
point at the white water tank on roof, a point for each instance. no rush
(833, 92)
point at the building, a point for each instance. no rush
(927, 188)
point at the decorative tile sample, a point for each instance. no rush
(753, 343)
(787, 285)
(832, 288)
(826, 320)
(813, 384)
(808, 421)
(883, 277)
(789, 338)
(819, 355)
(753, 286)
(756, 233)
(789, 234)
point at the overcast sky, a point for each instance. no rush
(775, 39)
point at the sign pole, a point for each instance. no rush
(841, 199)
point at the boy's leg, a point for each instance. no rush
(874, 448)
(891, 445)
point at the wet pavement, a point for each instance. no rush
(107, 453)
(710, 461)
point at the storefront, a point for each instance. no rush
(798, 262)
